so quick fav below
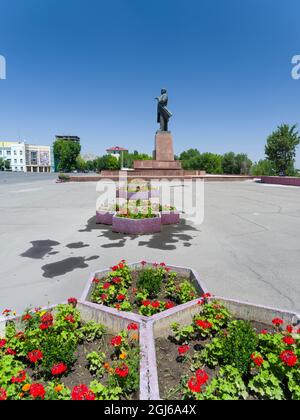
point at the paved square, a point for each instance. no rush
(248, 246)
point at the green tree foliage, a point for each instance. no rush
(107, 162)
(263, 167)
(4, 164)
(281, 148)
(129, 158)
(65, 155)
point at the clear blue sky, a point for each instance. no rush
(92, 68)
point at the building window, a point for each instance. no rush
(15, 152)
(21, 160)
(15, 161)
(8, 153)
(21, 168)
(21, 153)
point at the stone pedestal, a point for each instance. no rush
(164, 150)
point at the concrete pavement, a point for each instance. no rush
(248, 246)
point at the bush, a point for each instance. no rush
(64, 178)
(150, 280)
(238, 345)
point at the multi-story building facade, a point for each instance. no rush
(25, 157)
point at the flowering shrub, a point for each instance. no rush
(148, 290)
(230, 360)
(35, 362)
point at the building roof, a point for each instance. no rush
(116, 149)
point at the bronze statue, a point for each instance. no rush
(163, 114)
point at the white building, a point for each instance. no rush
(25, 157)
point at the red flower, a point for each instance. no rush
(205, 325)
(288, 340)
(167, 269)
(47, 321)
(169, 305)
(2, 343)
(116, 341)
(96, 281)
(44, 327)
(70, 318)
(183, 349)
(298, 331)
(35, 356)
(201, 302)
(106, 286)
(264, 332)
(118, 306)
(104, 297)
(162, 264)
(219, 316)
(206, 296)
(114, 268)
(26, 317)
(289, 358)
(155, 304)
(194, 385)
(21, 377)
(122, 371)
(202, 377)
(277, 321)
(37, 391)
(72, 301)
(59, 369)
(133, 327)
(258, 360)
(143, 263)
(120, 298)
(117, 280)
(121, 266)
(146, 303)
(3, 394)
(289, 329)
(155, 265)
(7, 312)
(11, 352)
(82, 393)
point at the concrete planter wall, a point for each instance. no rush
(170, 217)
(104, 217)
(136, 226)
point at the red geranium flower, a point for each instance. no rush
(201, 302)
(122, 371)
(116, 341)
(194, 385)
(146, 303)
(277, 321)
(96, 281)
(264, 332)
(2, 343)
(26, 317)
(121, 266)
(155, 304)
(205, 325)
(143, 263)
(37, 391)
(162, 264)
(59, 369)
(132, 326)
(258, 360)
(21, 377)
(289, 329)
(118, 306)
(104, 296)
(114, 268)
(47, 321)
(202, 377)
(120, 298)
(289, 358)
(72, 301)
(117, 280)
(106, 286)
(298, 331)
(206, 296)
(169, 305)
(3, 394)
(44, 327)
(35, 356)
(11, 352)
(7, 312)
(183, 349)
(219, 316)
(288, 340)
(70, 318)
(82, 393)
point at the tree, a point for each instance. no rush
(4, 164)
(7, 165)
(263, 167)
(108, 162)
(229, 163)
(65, 155)
(281, 148)
(81, 165)
(242, 164)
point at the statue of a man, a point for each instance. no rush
(163, 114)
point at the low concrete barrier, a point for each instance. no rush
(281, 180)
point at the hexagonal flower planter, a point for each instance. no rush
(170, 217)
(104, 217)
(136, 226)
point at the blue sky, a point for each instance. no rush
(92, 68)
